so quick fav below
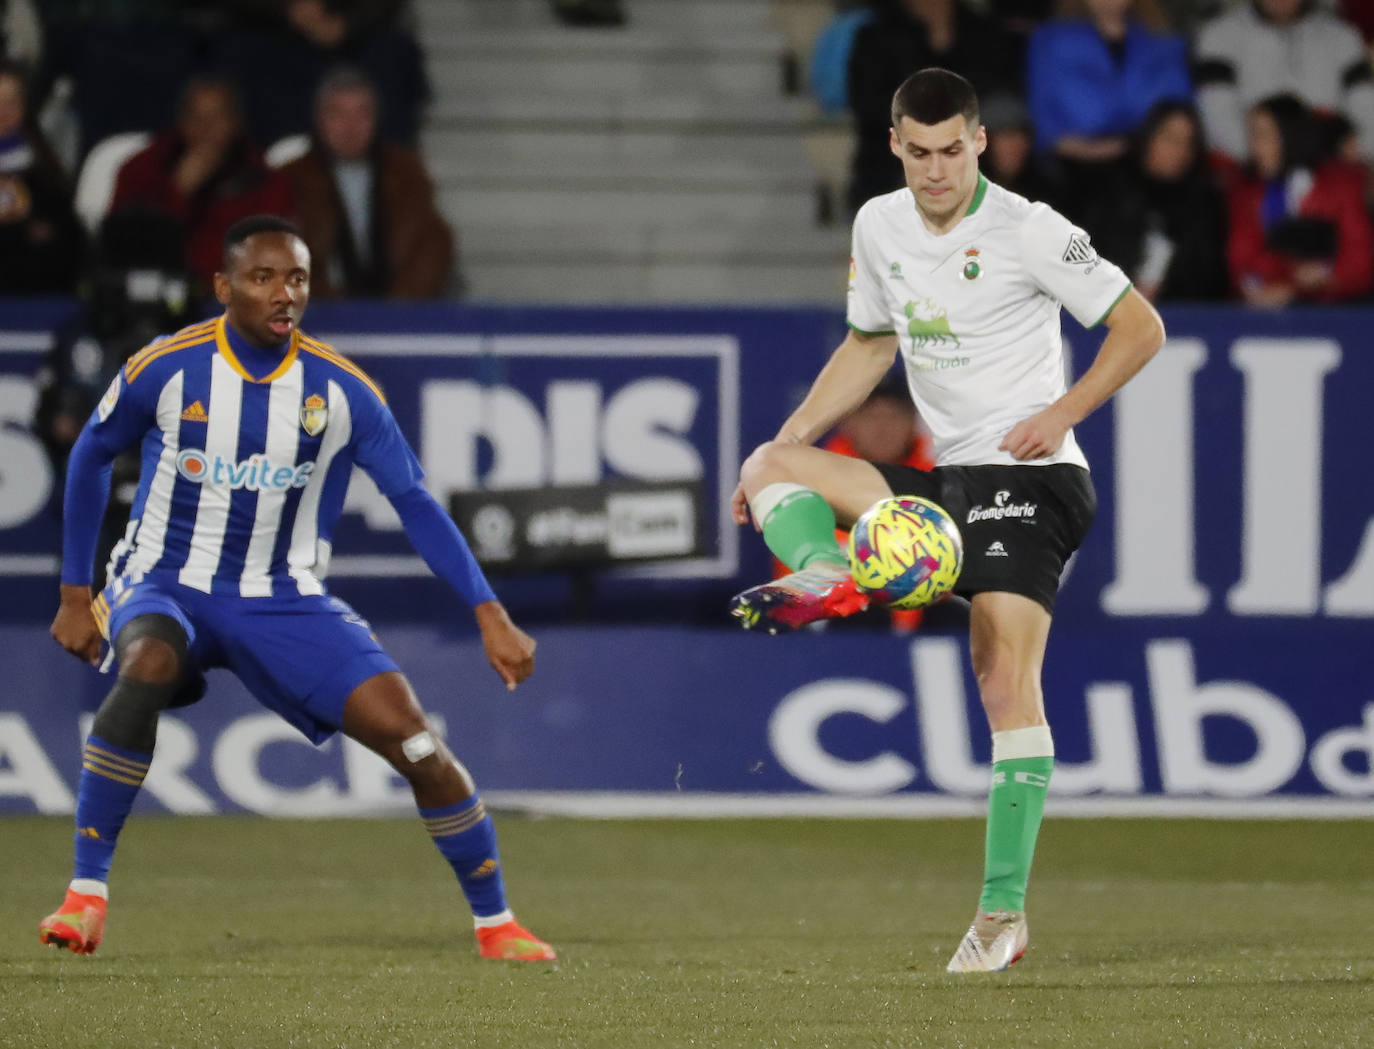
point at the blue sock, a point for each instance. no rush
(110, 778)
(466, 836)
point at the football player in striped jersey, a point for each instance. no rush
(249, 430)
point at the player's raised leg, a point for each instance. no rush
(383, 714)
(796, 495)
(1007, 636)
(152, 657)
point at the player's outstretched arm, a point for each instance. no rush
(509, 649)
(437, 539)
(1134, 335)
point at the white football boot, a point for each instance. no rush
(993, 942)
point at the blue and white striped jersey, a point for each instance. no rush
(243, 478)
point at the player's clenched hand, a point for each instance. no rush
(509, 649)
(1036, 437)
(74, 627)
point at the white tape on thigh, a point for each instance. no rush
(417, 748)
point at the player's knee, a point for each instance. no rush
(152, 649)
(767, 464)
(419, 756)
(151, 661)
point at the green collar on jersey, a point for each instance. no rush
(978, 195)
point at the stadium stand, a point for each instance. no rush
(666, 160)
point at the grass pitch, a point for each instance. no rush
(229, 932)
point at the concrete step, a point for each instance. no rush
(548, 44)
(581, 113)
(549, 146)
(503, 72)
(628, 208)
(707, 18)
(661, 281)
(473, 168)
(802, 245)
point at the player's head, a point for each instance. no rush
(937, 137)
(346, 113)
(264, 278)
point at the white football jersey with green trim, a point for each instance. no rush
(976, 311)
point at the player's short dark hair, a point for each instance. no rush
(933, 95)
(241, 230)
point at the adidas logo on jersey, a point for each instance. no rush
(195, 413)
(996, 550)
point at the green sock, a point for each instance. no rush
(800, 528)
(1015, 805)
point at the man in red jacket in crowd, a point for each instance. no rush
(204, 173)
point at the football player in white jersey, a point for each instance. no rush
(249, 430)
(965, 280)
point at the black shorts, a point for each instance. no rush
(1019, 523)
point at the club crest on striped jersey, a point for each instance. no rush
(314, 415)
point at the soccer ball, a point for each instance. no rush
(905, 552)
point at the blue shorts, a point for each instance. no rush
(300, 656)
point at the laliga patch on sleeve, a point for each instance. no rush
(111, 398)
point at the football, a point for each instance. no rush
(905, 552)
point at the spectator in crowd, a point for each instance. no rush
(885, 428)
(1261, 48)
(21, 33)
(1300, 230)
(204, 172)
(366, 207)
(301, 40)
(1020, 16)
(1010, 159)
(40, 237)
(122, 61)
(908, 35)
(1094, 74)
(1164, 220)
(1360, 14)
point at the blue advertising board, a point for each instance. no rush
(1210, 640)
